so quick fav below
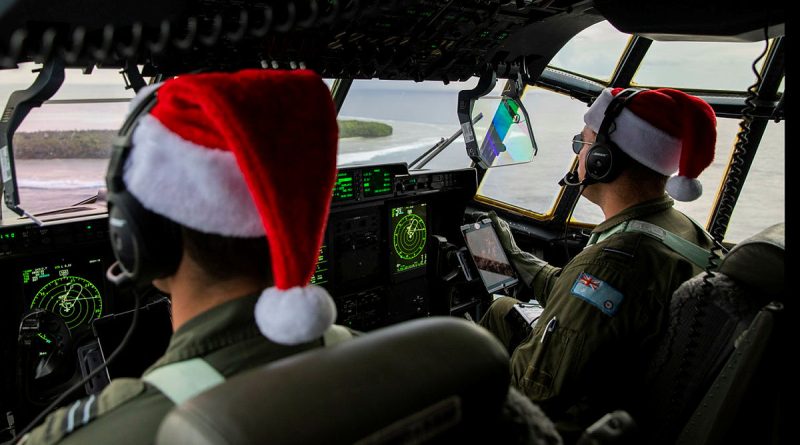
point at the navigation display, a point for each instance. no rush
(409, 234)
(71, 288)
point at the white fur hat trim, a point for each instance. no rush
(198, 187)
(295, 315)
(635, 136)
(684, 188)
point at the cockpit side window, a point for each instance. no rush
(762, 202)
(534, 186)
(62, 148)
(721, 66)
(532, 189)
(593, 53)
(555, 118)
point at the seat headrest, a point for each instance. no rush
(758, 262)
(421, 377)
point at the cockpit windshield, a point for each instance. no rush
(397, 121)
(61, 149)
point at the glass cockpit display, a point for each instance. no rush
(343, 189)
(321, 273)
(409, 234)
(377, 181)
(69, 288)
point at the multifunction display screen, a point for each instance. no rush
(366, 182)
(71, 288)
(321, 274)
(408, 230)
(377, 181)
(344, 189)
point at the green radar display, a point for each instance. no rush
(409, 237)
(66, 289)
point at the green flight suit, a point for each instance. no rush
(129, 411)
(609, 304)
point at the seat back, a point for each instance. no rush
(721, 331)
(423, 381)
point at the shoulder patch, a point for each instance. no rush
(597, 293)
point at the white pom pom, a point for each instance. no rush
(296, 315)
(684, 188)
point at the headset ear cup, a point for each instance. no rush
(599, 162)
(147, 245)
(604, 160)
(123, 234)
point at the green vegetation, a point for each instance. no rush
(365, 129)
(87, 144)
(80, 144)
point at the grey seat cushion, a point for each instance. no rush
(758, 262)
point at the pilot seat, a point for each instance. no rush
(716, 377)
(431, 380)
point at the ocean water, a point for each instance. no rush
(419, 121)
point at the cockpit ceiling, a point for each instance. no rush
(413, 40)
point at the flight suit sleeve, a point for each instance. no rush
(61, 423)
(537, 275)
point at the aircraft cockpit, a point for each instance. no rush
(446, 111)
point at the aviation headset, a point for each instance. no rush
(145, 244)
(605, 160)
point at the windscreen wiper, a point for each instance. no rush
(438, 147)
(20, 103)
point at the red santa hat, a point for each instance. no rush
(666, 130)
(248, 154)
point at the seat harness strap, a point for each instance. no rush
(183, 380)
(687, 249)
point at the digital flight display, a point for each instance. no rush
(69, 288)
(364, 183)
(344, 189)
(321, 274)
(377, 181)
(409, 233)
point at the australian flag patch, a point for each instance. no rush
(598, 293)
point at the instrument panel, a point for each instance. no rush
(376, 262)
(375, 258)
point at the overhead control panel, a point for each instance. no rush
(408, 40)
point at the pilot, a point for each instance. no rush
(606, 307)
(242, 166)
